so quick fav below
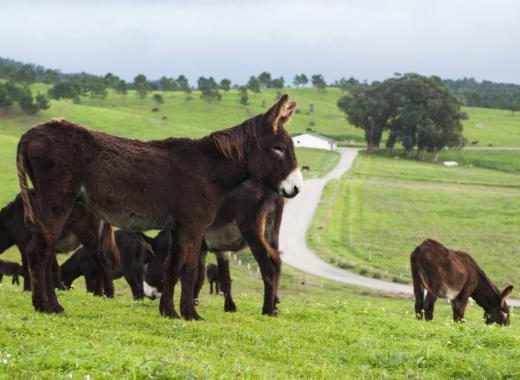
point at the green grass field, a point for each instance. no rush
(374, 216)
(334, 332)
(370, 219)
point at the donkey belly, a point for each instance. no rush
(448, 292)
(225, 238)
(67, 243)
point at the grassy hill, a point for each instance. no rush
(334, 332)
(374, 216)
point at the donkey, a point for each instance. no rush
(212, 275)
(134, 252)
(174, 184)
(453, 274)
(248, 216)
(81, 228)
(15, 270)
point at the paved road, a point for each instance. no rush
(296, 221)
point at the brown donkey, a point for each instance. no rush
(455, 275)
(174, 184)
(82, 227)
(248, 216)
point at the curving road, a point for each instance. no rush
(297, 218)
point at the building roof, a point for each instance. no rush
(318, 136)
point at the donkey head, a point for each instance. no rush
(273, 161)
(499, 311)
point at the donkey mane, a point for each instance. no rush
(233, 142)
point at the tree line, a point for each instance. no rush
(416, 111)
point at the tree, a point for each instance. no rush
(278, 83)
(208, 88)
(254, 85)
(141, 85)
(167, 84)
(26, 74)
(300, 80)
(225, 84)
(121, 87)
(319, 82)
(183, 84)
(416, 110)
(244, 99)
(111, 80)
(65, 90)
(265, 80)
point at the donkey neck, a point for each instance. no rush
(485, 293)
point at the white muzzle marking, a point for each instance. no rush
(150, 291)
(292, 185)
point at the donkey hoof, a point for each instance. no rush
(230, 307)
(270, 313)
(171, 314)
(192, 316)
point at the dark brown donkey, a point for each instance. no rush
(455, 275)
(134, 251)
(81, 228)
(212, 275)
(248, 216)
(15, 270)
(174, 184)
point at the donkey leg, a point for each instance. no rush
(189, 247)
(56, 275)
(224, 278)
(26, 277)
(277, 262)
(1, 277)
(458, 306)
(200, 277)
(170, 277)
(418, 291)
(37, 254)
(429, 304)
(15, 280)
(51, 283)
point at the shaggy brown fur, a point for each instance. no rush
(134, 251)
(453, 274)
(173, 184)
(81, 228)
(249, 216)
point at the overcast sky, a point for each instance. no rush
(367, 39)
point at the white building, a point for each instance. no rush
(313, 140)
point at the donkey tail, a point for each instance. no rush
(22, 165)
(110, 248)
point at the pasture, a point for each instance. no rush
(334, 332)
(370, 220)
(373, 217)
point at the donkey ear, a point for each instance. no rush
(506, 293)
(280, 113)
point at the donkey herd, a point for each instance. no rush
(220, 193)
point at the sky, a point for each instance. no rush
(369, 40)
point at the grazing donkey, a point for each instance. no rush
(134, 251)
(248, 216)
(212, 275)
(15, 270)
(174, 184)
(453, 274)
(81, 228)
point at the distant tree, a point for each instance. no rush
(265, 79)
(253, 85)
(244, 98)
(167, 84)
(97, 87)
(121, 87)
(225, 84)
(111, 80)
(208, 88)
(514, 105)
(158, 99)
(300, 80)
(319, 82)
(141, 85)
(278, 83)
(51, 76)
(65, 90)
(345, 84)
(5, 100)
(183, 84)
(26, 74)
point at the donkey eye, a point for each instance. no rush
(278, 151)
